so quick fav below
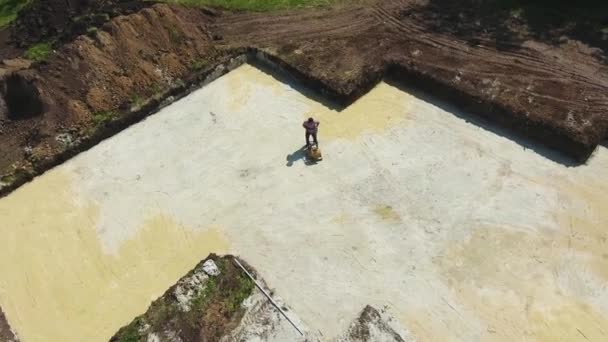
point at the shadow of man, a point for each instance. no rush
(299, 154)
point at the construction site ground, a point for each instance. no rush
(463, 233)
(462, 189)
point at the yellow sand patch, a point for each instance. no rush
(58, 285)
(584, 223)
(242, 88)
(572, 322)
(384, 107)
(508, 279)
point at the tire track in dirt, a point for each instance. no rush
(386, 13)
(245, 28)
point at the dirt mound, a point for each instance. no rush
(65, 19)
(374, 326)
(201, 306)
(6, 334)
(85, 83)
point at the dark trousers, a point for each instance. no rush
(314, 138)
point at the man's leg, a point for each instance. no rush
(307, 139)
(314, 137)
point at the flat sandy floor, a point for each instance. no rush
(462, 233)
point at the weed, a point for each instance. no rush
(137, 101)
(91, 31)
(39, 52)
(202, 299)
(175, 36)
(102, 17)
(198, 64)
(9, 10)
(242, 292)
(156, 89)
(8, 179)
(104, 117)
(130, 334)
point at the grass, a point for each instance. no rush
(131, 334)
(257, 5)
(8, 179)
(104, 117)
(137, 101)
(92, 31)
(175, 36)
(240, 293)
(198, 64)
(9, 10)
(39, 52)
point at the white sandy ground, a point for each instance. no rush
(462, 233)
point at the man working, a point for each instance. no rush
(312, 127)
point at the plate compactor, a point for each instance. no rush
(313, 153)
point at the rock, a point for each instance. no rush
(17, 63)
(188, 288)
(211, 268)
(66, 139)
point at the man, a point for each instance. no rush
(312, 127)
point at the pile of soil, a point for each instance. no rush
(214, 307)
(63, 20)
(89, 81)
(6, 334)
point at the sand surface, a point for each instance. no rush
(463, 234)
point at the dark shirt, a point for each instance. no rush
(311, 127)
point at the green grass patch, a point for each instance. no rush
(92, 31)
(257, 5)
(131, 334)
(104, 117)
(137, 101)
(198, 64)
(9, 10)
(8, 179)
(240, 293)
(39, 52)
(175, 35)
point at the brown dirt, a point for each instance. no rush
(368, 326)
(62, 20)
(6, 334)
(555, 94)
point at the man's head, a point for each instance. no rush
(311, 120)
